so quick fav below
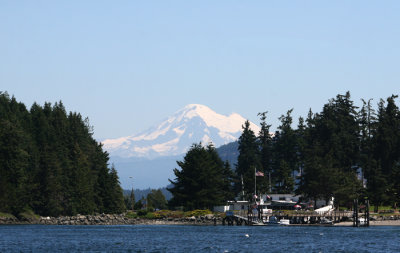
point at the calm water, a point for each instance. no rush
(138, 238)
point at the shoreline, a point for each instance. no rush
(121, 219)
(111, 219)
(372, 223)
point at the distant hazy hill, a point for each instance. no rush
(145, 173)
(143, 193)
(155, 173)
(229, 152)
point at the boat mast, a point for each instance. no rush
(242, 188)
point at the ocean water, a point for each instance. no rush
(167, 238)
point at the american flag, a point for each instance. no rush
(259, 174)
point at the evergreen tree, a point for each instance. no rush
(116, 195)
(14, 160)
(300, 148)
(285, 155)
(383, 178)
(132, 199)
(248, 161)
(332, 152)
(200, 182)
(265, 142)
(82, 199)
(367, 120)
(139, 205)
(49, 193)
(50, 163)
(156, 200)
(228, 178)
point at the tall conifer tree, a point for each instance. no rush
(201, 182)
(248, 161)
(265, 142)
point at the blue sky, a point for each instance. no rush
(128, 64)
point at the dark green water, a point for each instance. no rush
(138, 238)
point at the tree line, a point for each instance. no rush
(344, 151)
(51, 164)
(149, 199)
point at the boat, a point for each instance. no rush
(326, 221)
(272, 220)
(284, 222)
(362, 221)
(326, 209)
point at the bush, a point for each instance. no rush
(162, 214)
(131, 215)
(150, 216)
(168, 214)
(197, 213)
(142, 212)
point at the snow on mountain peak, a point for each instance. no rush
(231, 124)
(174, 136)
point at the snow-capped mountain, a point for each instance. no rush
(175, 135)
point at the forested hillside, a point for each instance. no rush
(229, 152)
(50, 163)
(344, 151)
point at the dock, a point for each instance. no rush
(296, 218)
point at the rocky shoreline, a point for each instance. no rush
(113, 219)
(122, 219)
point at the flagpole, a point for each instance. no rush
(242, 188)
(255, 182)
(270, 187)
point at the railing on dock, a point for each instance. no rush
(245, 217)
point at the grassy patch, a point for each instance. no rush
(386, 214)
(168, 214)
(197, 213)
(7, 215)
(131, 215)
(383, 209)
(29, 215)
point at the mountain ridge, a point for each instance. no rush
(188, 125)
(173, 136)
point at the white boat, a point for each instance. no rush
(284, 222)
(272, 220)
(326, 221)
(326, 209)
(362, 221)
